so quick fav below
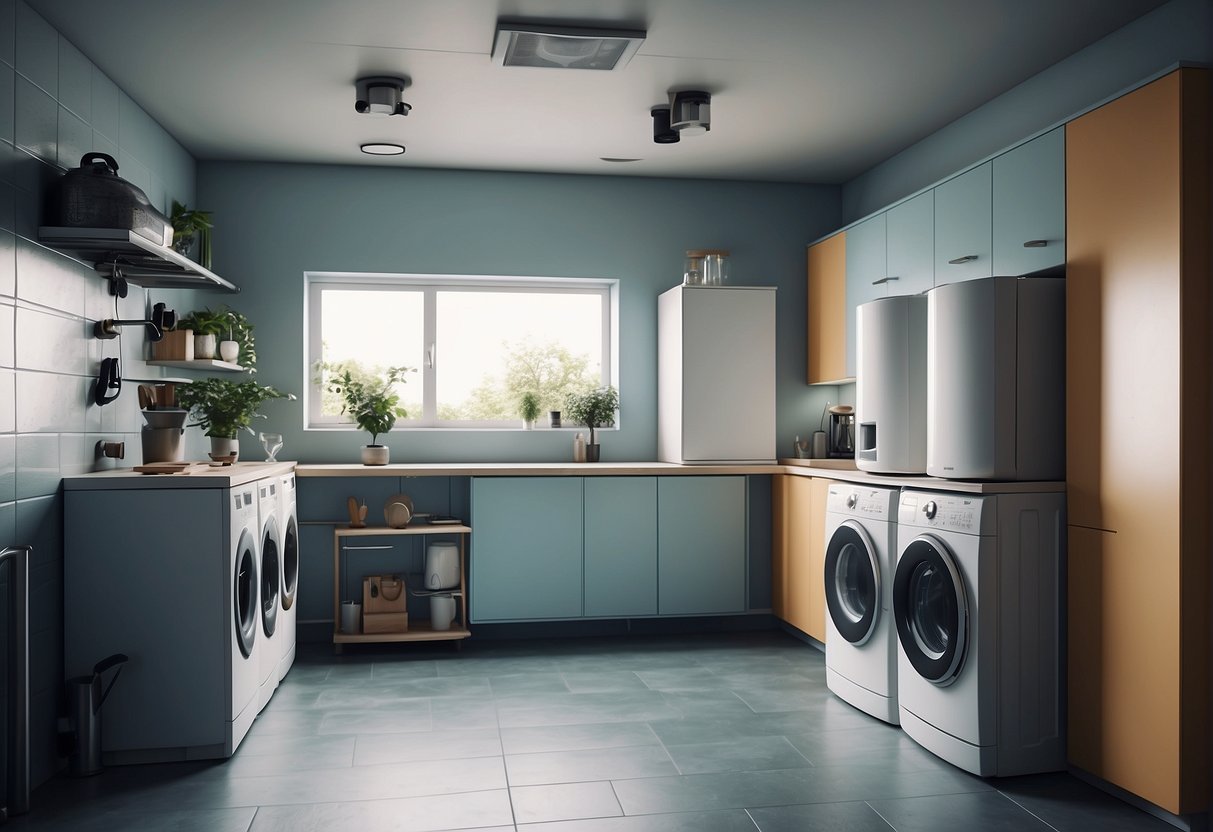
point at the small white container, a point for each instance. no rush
(442, 612)
(351, 617)
(441, 565)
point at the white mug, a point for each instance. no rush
(442, 611)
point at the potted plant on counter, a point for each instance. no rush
(373, 404)
(223, 408)
(528, 409)
(595, 409)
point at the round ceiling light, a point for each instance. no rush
(382, 149)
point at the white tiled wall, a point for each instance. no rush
(55, 106)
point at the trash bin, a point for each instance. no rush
(84, 699)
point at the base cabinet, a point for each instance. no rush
(701, 545)
(798, 515)
(527, 553)
(549, 548)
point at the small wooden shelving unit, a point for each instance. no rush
(416, 632)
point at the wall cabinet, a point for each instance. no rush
(1138, 336)
(527, 551)
(798, 552)
(827, 310)
(620, 546)
(1030, 206)
(866, 274)
(910, 246)
(963, 235)
(628, 546)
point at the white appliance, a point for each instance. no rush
(441, 565)
(996, 379)
(288, 609)
(716, 374)
(891, 385)
(977, 603)
(168, 576)
(271, 588)
(861, 640)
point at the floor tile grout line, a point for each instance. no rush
(1025, 809)
(877, 811)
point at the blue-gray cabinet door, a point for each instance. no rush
(963, 237)
(701, 545)
(620, 546)
(526, 561)
(865, 273)
(910, 229)
(1030, 206)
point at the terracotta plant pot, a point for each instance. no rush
(375, 454)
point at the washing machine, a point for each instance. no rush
(271, 588)
(861, 641)
(289, 590)
(977, 600)
(167, 574)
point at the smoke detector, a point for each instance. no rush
(564, 47)
(380, 95)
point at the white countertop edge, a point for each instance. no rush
(230, 476)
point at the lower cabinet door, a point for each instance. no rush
(527, 555)
(701, 545)
(620, 546)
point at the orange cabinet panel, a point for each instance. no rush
(798, 553)
(827, 310)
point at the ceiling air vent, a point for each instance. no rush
(564, 47)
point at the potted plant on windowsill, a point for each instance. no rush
(374, 405)
(528, 409)
(223, 408)
(595, 409)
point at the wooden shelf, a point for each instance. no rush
(417, 632)
(420, 631)
(198, 364)
(140, 260)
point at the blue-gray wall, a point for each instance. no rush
(55, 105)
(1182, 30)
(274, 222)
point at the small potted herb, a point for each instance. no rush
(528, 409)
(190, 225)
(595, 409)
(210, 325)
(223, 408)
(374, 405)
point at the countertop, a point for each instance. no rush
(241, 473)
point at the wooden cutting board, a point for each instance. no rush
(174, 468)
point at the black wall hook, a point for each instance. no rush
(109, 377)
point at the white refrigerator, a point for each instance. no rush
(716, 374)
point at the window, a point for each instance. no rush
(474, 344)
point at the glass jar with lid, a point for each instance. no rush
(706, 267)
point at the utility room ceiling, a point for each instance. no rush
(802, 90)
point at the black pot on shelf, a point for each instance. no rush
(592, 451)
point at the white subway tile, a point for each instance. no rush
(7, 102)
(37, 465)
(76, 456)
(8, 469)
(106, 96)
(8, 44)
(8, 525)
(36, 121)
(52, 343)
(75, 139)
(7, 339)
(8, 264)
(47, 402)
(75, 80)
(8, 401)
(48, 279)
(37, 49)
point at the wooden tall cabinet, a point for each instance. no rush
(1138, 454)
(798, 552)
(827, 312)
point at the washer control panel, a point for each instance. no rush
(947, 512)
(863, 501)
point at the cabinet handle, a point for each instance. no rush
(431, 356)
(968, 258)
(1036, 244)
(884, 280)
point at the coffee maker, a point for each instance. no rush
(840, 439)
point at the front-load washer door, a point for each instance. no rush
(290, 562)
(244, 593)
(931, 610)
(271, 577)
(852, 582)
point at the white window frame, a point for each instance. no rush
(430, 285)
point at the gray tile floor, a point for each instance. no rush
(706, 733)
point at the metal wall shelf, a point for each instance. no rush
(140, 260)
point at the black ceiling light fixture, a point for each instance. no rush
(534, 44)
(382, 149)
(663, 133)
(380, 95)
(691, 112)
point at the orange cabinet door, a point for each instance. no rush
(798, 557)
(826, 328)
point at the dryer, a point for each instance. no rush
(977, 603)
(289, 591)
(861, 641)
(271, 588)
(177, 590)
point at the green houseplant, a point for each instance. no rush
(190, 225)
(374, 405)
(232, 330)
(223, 408)
(528, 409)
(595, 409)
